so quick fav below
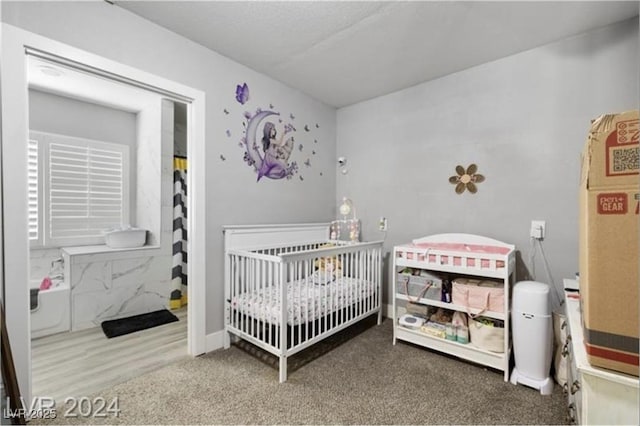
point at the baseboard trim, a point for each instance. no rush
(387, 310)
(214, 341)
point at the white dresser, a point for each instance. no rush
(596, 395)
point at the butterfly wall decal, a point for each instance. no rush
(242, 93)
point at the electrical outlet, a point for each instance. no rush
(538, 228)
(382, 224)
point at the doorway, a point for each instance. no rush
(19, 46)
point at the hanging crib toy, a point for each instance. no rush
(347, 228)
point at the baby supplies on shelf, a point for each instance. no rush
(411, 321)
(434, 329)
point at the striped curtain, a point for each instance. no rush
(179, 271)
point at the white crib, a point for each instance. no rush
(286, 288)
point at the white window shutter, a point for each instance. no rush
(85, 189)
(32, 184)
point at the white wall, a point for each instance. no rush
(66, 116)
(52, 113)
(522, 119)
(233, 195)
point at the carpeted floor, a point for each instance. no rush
(355, 377)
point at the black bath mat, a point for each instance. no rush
(118, 327)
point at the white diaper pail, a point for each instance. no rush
(532, 336)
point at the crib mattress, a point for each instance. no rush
(306, 301)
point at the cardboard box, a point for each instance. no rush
(609, 240)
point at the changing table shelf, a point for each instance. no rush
(456, 255)
(464, 351)
(452, 306)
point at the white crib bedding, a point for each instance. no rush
(306, 301)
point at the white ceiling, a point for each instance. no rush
(58, 79)
(345, 52)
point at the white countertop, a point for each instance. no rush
(79, 250)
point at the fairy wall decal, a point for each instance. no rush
(270, 158)
(268, 139)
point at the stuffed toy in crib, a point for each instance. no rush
(329, 264)
(327, 269)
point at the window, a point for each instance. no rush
(32, 182)
(79, 190)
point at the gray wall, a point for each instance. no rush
(522, 119)
(66, 116)
(233, 195)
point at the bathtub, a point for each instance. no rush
(53, 313)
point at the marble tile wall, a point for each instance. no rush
(148, 173)
(107, 286)
(154, 190)
(40, 265)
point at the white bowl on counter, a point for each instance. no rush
(126, 238)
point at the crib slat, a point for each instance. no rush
(282, 325)
(364, 295)
(353, 294)
(246, 289)
(346, 291)
(251, 265)
(360, 299)
(317, 304)
(300, 301)
(234, 282)
(239, 275)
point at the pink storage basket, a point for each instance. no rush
(485, 295)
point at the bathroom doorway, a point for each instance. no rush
(23, 47)
(99, 159)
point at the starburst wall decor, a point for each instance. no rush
(466, 179)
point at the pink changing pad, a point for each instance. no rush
(472, 249)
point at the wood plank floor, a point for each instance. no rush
(82, 363)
